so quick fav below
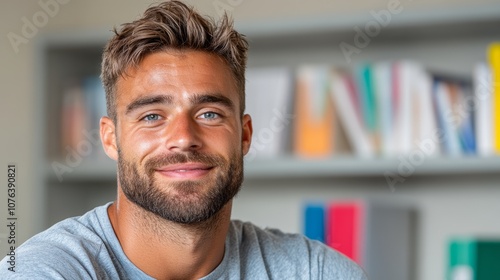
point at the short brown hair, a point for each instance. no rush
(171, 25)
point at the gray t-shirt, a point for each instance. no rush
(86, 247)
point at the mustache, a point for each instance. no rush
(163, 160)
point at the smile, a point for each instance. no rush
(185, 170)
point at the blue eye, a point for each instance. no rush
(151, 117)
(209, 115)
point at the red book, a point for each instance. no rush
(374, 234)
(344, 229)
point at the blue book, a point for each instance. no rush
(314, 221)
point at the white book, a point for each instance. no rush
(269, 97)
(404, 123)
(484, 109)
(383, 93)
(444, 108)
(349, 118)
(426, 137)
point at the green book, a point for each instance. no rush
(367, 96)
(474, 259)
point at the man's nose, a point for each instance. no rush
(182, 134)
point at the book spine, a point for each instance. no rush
(343, 229)
(494, 58)
(315, 118)
(314, 221)
(484, 114)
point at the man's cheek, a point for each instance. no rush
(140, 145)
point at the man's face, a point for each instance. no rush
(180, 138)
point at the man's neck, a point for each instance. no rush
(168, 250)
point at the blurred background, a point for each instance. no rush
(373, 119)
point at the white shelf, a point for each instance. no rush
(377, 167)
(341, 167)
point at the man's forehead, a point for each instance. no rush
(167, 65)
(179, 75)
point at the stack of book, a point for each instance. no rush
(377, 109)
(474, 259)
(376, 235)
(84, 103)
(382, 109)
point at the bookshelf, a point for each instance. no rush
(338, 167)
(424, 36)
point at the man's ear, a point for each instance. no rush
(246, 136)
(108, 137)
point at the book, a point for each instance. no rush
(84, 103)
(484, 110)
(376, 235)
(366, 91)
(424, 114)
(95, 100)
(382, 73)
(405, 116)
(344, 229)
(349, 113)
(494, 61)
(455, 115)
(269, 97)
(446, 96)
(74, 119)
(314, 221)
(473, 259)
(315, 120)
(95, 97)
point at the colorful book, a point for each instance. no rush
(95, 99)
(344, 229)
(405, 107)
(376, 235)
(315, 122)
(445, 96)
(74, 119)
(350, 117)
(474, 259)
(314, 221)
(494, 60)
(364, 78)
(426, 138)
(269, 96)
(382, 74)
(484, 110)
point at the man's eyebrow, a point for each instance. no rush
(144, 101)
(212, 98)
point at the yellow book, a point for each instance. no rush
(494, 58)
(315, 119)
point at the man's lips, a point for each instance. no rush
(185, 170)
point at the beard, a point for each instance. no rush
(187, 202)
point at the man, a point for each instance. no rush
(176, 126)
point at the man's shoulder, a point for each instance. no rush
(81, 231)
(248, 234)
(290, 251)
(67, 244)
